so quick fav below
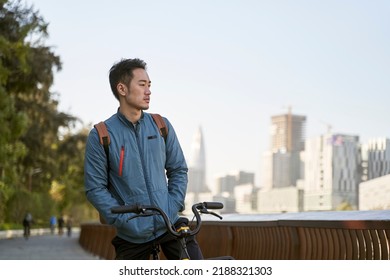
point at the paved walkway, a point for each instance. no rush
(44, 247)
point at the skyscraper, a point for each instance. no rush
(376, 158)
(282, 161)
(197, 165)
(288, 133)
(332, 176)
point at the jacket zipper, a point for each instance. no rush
(122, 155)
(136, 129)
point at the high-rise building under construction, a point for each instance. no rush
(282, 163)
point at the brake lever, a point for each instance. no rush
(216, 215)
(206, 211)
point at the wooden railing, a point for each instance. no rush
(347, 235)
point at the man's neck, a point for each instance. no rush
(132, 115)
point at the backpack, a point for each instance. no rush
(105, 141)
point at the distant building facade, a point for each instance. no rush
(244, 198)
(282, 164)
(280, 200)
(197, 165)
(374, 194)
(375, 158)
(332, 172)
(288, 132)
(236, 191)
(227, 182)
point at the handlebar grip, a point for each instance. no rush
(126, 209)
(213, 205)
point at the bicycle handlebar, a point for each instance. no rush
(136, 208)
(147, 210)
(212, 205)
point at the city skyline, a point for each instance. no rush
(327, 60)
(333, 138)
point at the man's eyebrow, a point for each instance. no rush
(144, 81)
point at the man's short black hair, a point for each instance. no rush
(122, 72)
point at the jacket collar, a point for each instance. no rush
(124, 120)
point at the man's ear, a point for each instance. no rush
(121, 88)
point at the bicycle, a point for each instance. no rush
(181, 233)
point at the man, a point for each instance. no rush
(27, 222)
(53, 223)
(143, 168)
(61, 223)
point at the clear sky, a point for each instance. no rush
(228, 66)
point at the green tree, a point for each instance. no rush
(68, 189)
(34, 156)
(13, 122)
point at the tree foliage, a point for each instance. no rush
(34, 156)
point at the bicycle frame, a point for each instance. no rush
(180, 233)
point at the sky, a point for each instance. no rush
(227, 66)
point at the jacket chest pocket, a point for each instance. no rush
(156, 148)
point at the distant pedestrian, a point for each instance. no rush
(69, 223)
(61, 223)
(27, 222)
(53, 223)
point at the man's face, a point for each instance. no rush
(137, 94)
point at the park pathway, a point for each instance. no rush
(44, 247)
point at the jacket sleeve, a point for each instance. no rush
(176, 171)
(96, 180)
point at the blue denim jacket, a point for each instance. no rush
(144, 169)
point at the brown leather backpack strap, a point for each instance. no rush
(103, 133)
(161, 125)
(105, 141)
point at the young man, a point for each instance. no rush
(143, 168)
